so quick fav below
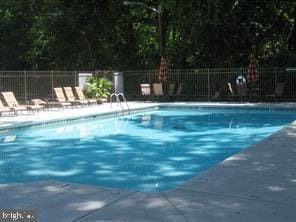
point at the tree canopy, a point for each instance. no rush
(99, 34)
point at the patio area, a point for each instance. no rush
(257, 184)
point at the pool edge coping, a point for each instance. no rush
(113, 113)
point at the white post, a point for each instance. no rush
(82, 77)
(118, 82)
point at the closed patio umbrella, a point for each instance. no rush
(163, 72)
(253, 75)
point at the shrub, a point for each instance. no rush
(98, 87)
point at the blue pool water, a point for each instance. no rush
(149, 151)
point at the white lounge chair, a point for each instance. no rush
(4, 109)
(81, 95)
(71, 97)
(15, 106)
(62, 99)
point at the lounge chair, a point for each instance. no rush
(216, 95)
(46, 104)
(158, 91)
(81, 95)
(38, 102)
(242, 90)
(62, 99)
(171, 90)
(4, 109)
(230, 89)
(145, 90)
(15, 106)
(180, 89)
(279, 91)
(231, 95)
(178, 92)
(71, 97)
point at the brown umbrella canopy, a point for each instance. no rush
(163, 72)
(253, 75)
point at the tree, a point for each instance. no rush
(97, 34)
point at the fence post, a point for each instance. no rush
(75, 80)
(51, 84)
(209, 85)
(25, 84)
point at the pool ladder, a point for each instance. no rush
(119, 96)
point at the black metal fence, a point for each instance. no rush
(203, 84)
(198, 84)
(27, 85)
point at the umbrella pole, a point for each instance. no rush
(160, 34)
(161, 47)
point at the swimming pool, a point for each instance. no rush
(149, 151)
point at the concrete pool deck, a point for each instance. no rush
(257, 184)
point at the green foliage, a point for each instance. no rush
(98, 87)
(97, 34)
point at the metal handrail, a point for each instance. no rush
(111, 96)
(124, 100)
(118, 101)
